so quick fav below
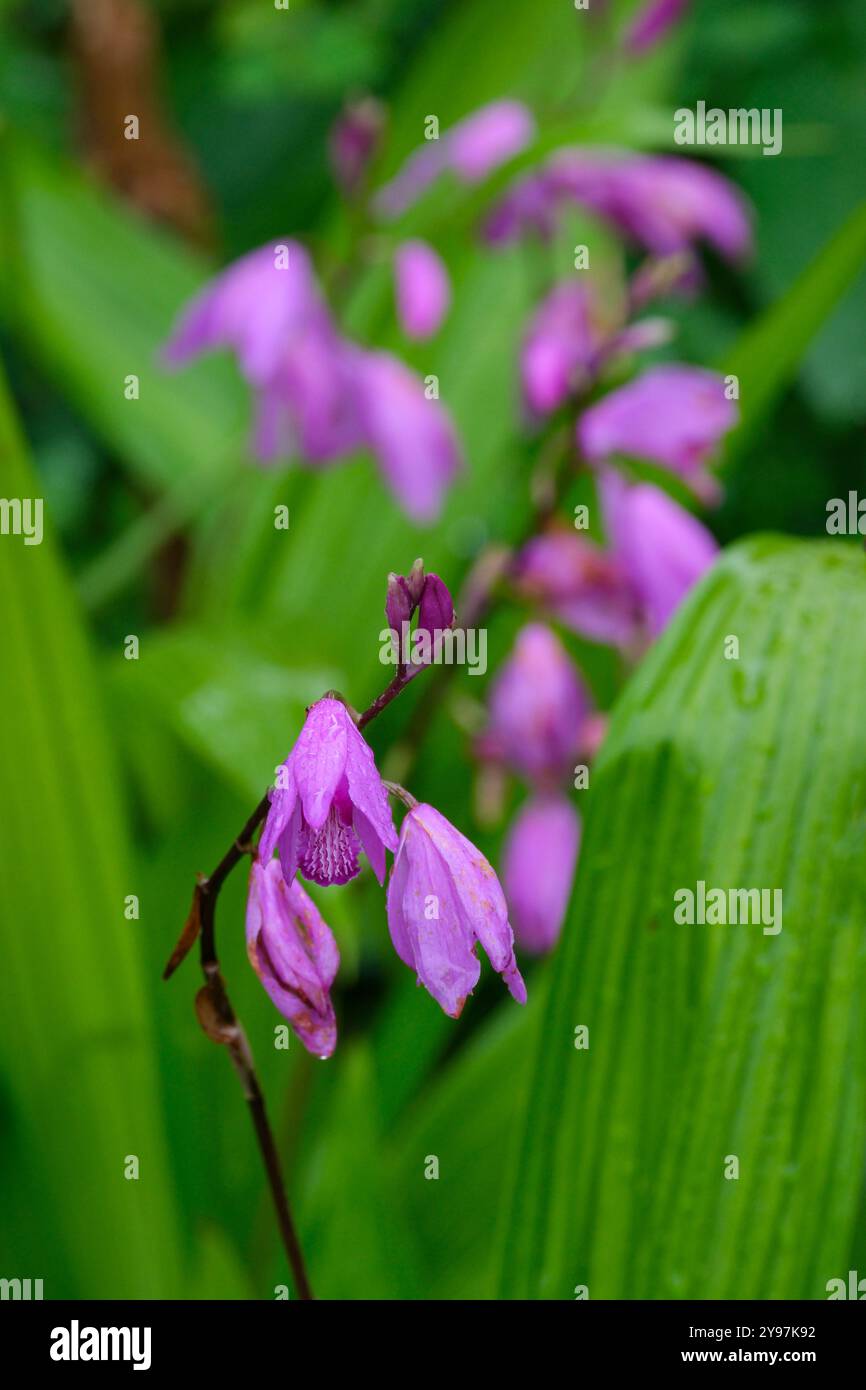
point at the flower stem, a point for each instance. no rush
(401, 793)
(392, 690)
(481, 590)
(216, 1013)
(219, 1020)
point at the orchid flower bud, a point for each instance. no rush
(436, 609)
(398, 604)
(354, 142)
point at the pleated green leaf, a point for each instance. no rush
(713, 1043)
(78, 1084)
(93, 292)
(771, 350)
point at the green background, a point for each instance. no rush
(558, 1167)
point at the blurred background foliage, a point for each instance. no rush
(127, 777)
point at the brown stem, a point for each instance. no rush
(216, 1013)
(479, 596)
(214, 1008)
(209, 888)
(219, 1020)
(392, 690)
(394, 789)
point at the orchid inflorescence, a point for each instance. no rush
(328, 806)
(319, 397)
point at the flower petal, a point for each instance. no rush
(412, 437)
(319, 758)
(283, 800)
(294, 954)
(423, 289)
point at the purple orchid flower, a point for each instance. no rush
(329, 802)
(268, 309)
(294, 955)
(423, 289)
(443, 899)
(537, 706)
(471, 150)
(570, 338)
(584, 587)
(317, 394)
(652, 23)
(256, 306)
(662, 546)
(663, 203)
(539, 861)
(561, 347)
(309, 407)
(412, 437)
(671, 416)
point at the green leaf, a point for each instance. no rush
(464, 1119)
(359, 1249)
(712, 1041)
(77, 1065)
(230, 701)
(93, 292)
(771, 350)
